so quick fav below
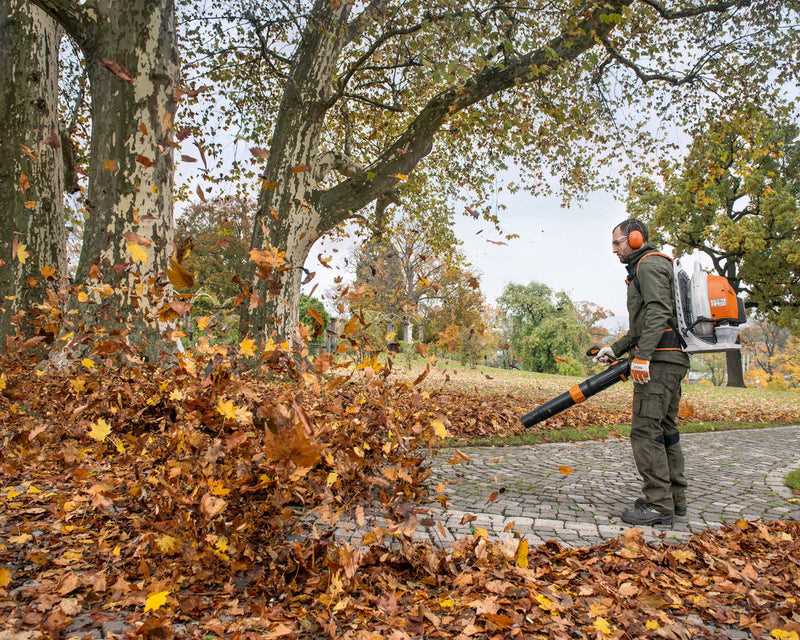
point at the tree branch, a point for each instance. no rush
(79, 21)
(374, 103)
(417, 140)
(359, 24)
(691, 12)
(646, 76)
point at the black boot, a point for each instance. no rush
(646, 514)
(680, 510)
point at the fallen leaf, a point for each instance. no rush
(155, 600)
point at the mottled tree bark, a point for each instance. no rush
(31, 167)
(132, 62)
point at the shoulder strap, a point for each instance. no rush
(648, 255)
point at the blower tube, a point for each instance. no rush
(577, 394)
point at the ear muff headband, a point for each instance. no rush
(635, 239)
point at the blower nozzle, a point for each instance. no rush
(618, 370)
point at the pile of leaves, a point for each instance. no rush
(200, 499)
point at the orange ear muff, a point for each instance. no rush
(635, 239)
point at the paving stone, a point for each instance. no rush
(731, 474)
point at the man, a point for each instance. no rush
(657, 367)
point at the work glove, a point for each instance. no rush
(605, 355)
(640, 371)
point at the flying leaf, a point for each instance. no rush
(47, 271)
(155, 600)
(3, 381)
(117, 69)
(99, 430)
(439, 429)
(260, 153)
(88, 363)
(144, 161)
(564, 470)
(521, 557)
(20, 251)
(226, 409)
(202, 322)
(27, 151)
(24, 182)
(30, 204)
(300, 168)
(5, 577)
(200, 193)
(138, 253)
(247, 347)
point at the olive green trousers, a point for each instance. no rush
(655, 438)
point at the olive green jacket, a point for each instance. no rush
(651, 309)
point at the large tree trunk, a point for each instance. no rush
(285, 210)
(132, 63)
(31, 167)
(733, 362)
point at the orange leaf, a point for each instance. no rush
(144, 161)
(117, 69)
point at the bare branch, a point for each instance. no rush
(79, 21)
(647, 76)
(375, 103)
(690, 12)
(359, 24)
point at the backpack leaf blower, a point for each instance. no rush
(709, 315)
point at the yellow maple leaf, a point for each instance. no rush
(481, 532)
(247, 347)
(167, 544)
(601, 625)
(99, 430)
(521, 558)
(177, 395)
(439, 429)
(332, 477)
(137, 252)
(118, 444)
(155, 600)
(546, 603)
(682, 555)
(82, 296)
(783, 634)
(447, 603)
(5, 577)
(3, 381)
(78, 384)
(652, 625)
(88, 363)
(217, 488)
(202, 322)
(22, 253)
(226, 409)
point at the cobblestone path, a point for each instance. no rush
(732, 475)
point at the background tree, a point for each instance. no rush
(544, 329)
(735, 199)
(763, 341)
(32, 233)
(465, 87)
(220, 233)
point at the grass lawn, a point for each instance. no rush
(793, 480)
(703, 407)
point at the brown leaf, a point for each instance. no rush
(117, 69)
(212, 506)
(144, 161)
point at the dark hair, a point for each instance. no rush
(632, 224)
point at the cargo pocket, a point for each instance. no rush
(651, 404)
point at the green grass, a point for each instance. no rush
(601, 432)
(792, 480)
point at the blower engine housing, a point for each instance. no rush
(709, 312)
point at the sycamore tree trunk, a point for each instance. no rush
(32, 231)
(295, 166)
(132, 62)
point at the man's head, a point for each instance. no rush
(619, 238)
